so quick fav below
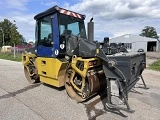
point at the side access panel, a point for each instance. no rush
(51, 71)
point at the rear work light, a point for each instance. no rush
(143, 65)
(92, 63)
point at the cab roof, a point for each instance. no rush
(60, 10)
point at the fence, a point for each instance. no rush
(17, 51)
(13, 51)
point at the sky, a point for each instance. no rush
(112, 18)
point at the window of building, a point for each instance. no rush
(128, 45)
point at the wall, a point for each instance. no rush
(158, 46)
(137, 45)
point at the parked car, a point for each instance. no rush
(140, 50)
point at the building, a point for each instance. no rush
(135, 42)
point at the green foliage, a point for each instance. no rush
(155, 65)
(11, 35)
(10, 56)
(149, 31)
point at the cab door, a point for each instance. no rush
(45, 34)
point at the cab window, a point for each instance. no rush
(74, 25)
(46, 32)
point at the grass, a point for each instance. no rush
(10, 56)
(155, 65)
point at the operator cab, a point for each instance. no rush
(54, 28)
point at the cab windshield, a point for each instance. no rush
(74, 25)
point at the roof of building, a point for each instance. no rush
(24, 46)
(131, 38)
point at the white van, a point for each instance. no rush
(6, 49)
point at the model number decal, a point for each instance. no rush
(56, 52)
(62, 46)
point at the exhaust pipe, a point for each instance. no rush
(106, 40)
(91, 30)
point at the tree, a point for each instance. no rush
(11, 35)
(23, 41)
(149, 31)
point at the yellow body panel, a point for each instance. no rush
(26, 57)
(82, 73)
(51, 71)
(86, 64)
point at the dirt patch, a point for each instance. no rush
(152, 57)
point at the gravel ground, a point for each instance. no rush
(21, 101)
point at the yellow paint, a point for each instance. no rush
(51, 81)
(25, 58)
(82, 73)
(97, 51)
(51, 70)
(86, 65)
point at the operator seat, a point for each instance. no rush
(50, 37)
(64, 38)
(66, 33)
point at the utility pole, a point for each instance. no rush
(2, 35)
(3, 39)
(14, 51)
